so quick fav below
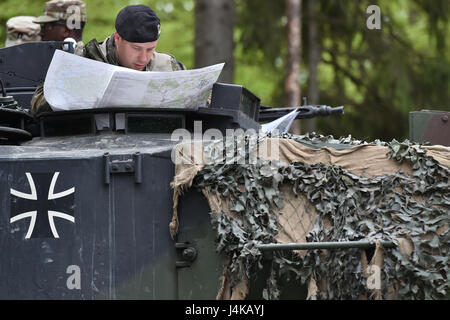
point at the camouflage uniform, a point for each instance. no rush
(22, 29)
(106, 52)
(72, 11)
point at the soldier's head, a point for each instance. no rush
(136, 37)
(22, 29)
(62, 19)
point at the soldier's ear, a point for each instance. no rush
(116, 37)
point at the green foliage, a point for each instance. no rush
(378, 75)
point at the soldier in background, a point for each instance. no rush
(22, 29)
(63, 20)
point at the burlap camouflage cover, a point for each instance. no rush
(395, 191)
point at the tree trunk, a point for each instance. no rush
(214, 23)
(309, 125)
(292, 84)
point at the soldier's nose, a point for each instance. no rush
(142, 58)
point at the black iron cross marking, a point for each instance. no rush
(42, 205)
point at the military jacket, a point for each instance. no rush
(105, 51)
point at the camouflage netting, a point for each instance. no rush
(379, 191)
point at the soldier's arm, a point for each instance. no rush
(38, 102)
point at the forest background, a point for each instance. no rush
(378, 75)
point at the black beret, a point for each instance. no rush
(138, 23)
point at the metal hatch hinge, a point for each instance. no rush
(123, 163)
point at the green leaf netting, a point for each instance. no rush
(384, 207)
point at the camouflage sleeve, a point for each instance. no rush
(177, 65)
(38, 102)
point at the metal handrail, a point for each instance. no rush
(363, 244)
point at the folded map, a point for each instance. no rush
(74, 83)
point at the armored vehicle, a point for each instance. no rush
(86, 205)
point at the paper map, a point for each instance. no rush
(74, 83)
